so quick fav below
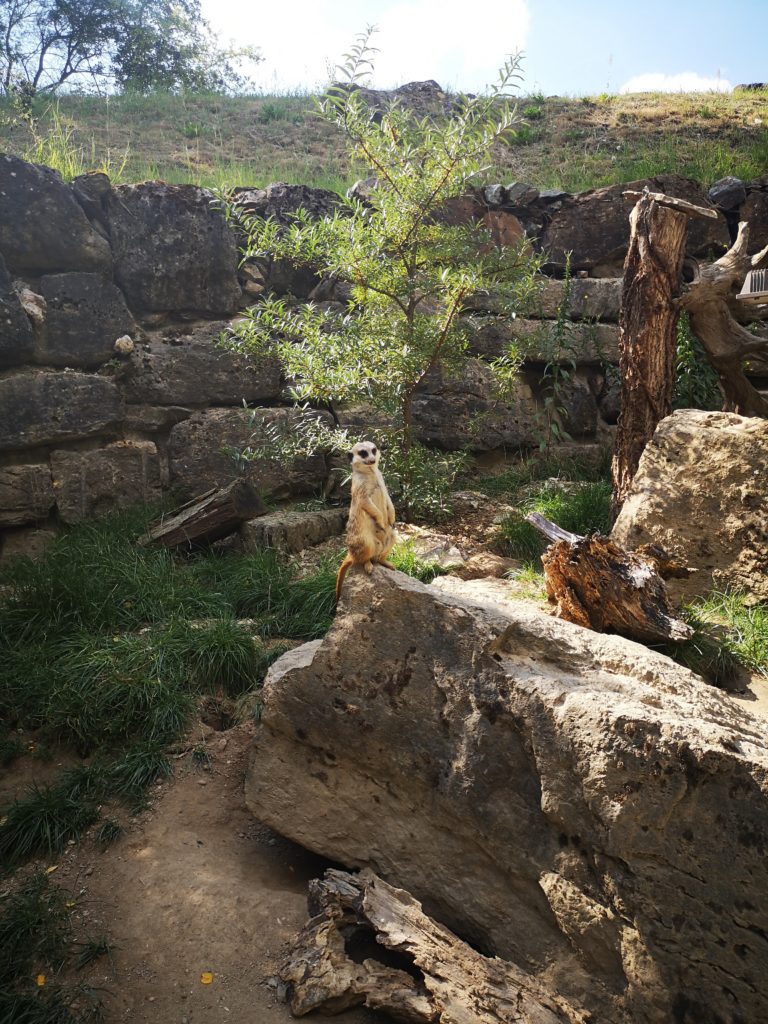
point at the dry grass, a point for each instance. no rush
(568, 143)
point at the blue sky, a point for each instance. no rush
(571, 47)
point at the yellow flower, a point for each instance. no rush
(40, 979)
(206, 977)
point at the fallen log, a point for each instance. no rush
(404, 964)
(596, 583)
(208, 517)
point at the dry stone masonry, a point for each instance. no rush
(112, 386)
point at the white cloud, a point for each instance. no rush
(686, 81)
(303, 40)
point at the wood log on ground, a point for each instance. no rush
(208, 517)
(647, 326)
(403, 963)
(709, 301)
(596, 583)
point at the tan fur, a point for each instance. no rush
(371, 524)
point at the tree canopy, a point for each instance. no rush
(129, 44)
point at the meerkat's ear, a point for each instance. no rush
(351, 455)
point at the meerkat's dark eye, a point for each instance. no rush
(373, 449)
(363, 454)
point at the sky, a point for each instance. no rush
(570, 47)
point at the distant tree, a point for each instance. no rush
(132, 44)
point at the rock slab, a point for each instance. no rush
(173, 249)
(570, 801)
(92, 483)
(41, 408)
(85, 315)
(701, 492)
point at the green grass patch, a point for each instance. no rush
(578, 507)
(730, 638)
(36, 942)
(544, 466)
(405, 558)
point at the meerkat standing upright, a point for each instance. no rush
(370, 527)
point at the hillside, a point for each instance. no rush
(566, 143)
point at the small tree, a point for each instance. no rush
(411, 271)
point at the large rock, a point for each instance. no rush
(544, 341)
(17, 339)
(85, 315)
(173, 249)
(568, 800)
(26, 494)
(91, 483)
(202, 452)
(701, 491)
(42, 226)
(281, 202)
(459, 410)
(755, 212)
(594, 226)
(190, 368)
(590, 298)
(293, 530)
(41, 408)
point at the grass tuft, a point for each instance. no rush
(578, 507)
(730, 639)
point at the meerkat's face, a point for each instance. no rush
(364, 454)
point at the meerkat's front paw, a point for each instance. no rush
(368, 567)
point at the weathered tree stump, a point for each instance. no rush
(647, 327)
(429, 976)
(597, 584)
(710, 302)
(208, 517)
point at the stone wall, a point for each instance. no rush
(112, 388)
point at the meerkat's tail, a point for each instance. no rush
(349, 560)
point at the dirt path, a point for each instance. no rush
(193, 886)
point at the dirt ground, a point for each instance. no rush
(194, 887)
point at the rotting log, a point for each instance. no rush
(208, 517)
(406, 965)
(709, 301)
(647, 325)
(596, 583)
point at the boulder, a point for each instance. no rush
(701, 492)
(755, 213)
(728, 193)
(42, 226)
(173, 249)
(26, 494)
(505, 228)
(454, 411)
(17, 339)
(293, 530)
(42, 408)
(576, 408)
(570, 801)
(85, 315)
(202, 454)
(26, 542)
(188, 367)
(594, 226)
(589, 298)
(91, 483)
(520, 193)
(543, 341)
(281, 201)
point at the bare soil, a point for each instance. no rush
(194, 887)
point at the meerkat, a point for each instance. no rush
(371, 524)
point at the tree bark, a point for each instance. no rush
(209, 517)
(709, 302)
(597, 584)
(428, 975)
(647, 336)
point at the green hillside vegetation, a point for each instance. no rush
(216, 140)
